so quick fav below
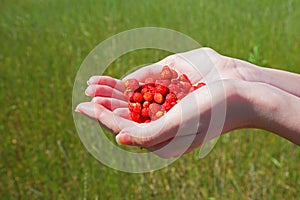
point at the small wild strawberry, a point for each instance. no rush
(145, 112)
(146, 104)
(183, 77)
(154, 107)
(166, 73)
(148, 96)
(171, 97)
(158, 98)
(161, 89)
(185, 86)
(137, 97)
(135, 117)
(132, 84)
(135, 107)
(174, 74)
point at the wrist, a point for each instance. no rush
(265, 104)
(248, 71)
(240, 113)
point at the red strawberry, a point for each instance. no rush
(154, 107)
(168, 105)
(158, 98)
(171, 97)
(137, 97)
(185, 86)
(145, 112)
(161, 89)
(183, 77)
(135, 107)
(135, 117)
(166, 67)
(166, 73)
(144, 90)
(157, 115)
(132, 84)
(148, 96)
(174, 74)
(146, 104)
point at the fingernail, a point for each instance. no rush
(89, 91)
(87, 109)
(92, 80)
(76, 109)
(123, 138)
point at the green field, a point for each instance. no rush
(44, 42)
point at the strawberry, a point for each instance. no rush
(137, 97)
(161, 89)
(132, 84)
(148, 96)
(166, 73)
(183, 77)
(145, 112)
(171, 97)
(158, 98)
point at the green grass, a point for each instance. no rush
(42, 46)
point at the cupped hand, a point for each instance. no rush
(197, 118)
(228, 102)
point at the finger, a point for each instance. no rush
(110, 103)
(107, 80)
(107, 118)
(122, 112)
(104, 91)
(148, 134)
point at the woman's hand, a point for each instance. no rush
(226, 103)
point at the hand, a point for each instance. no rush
(108, 96)
(185, 126)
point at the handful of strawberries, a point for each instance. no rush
(150, 101)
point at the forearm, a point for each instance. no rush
(287, 81)
(276, 111)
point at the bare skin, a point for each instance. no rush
(254, 97)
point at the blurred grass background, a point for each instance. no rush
(43, 43)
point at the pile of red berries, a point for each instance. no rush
(153, 99)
